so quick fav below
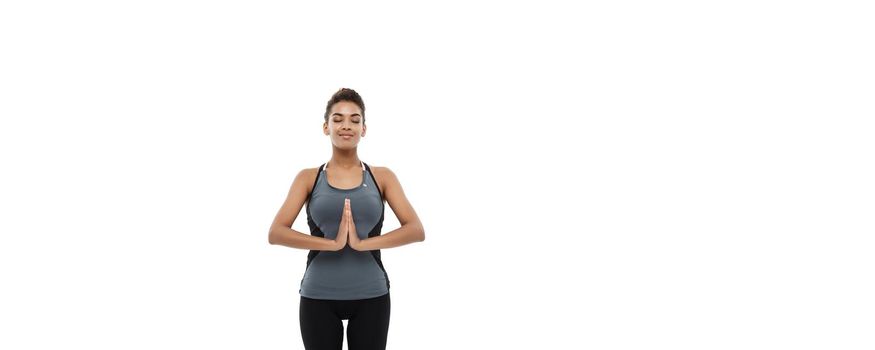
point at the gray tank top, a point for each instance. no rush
(346, 274)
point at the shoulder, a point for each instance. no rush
(384, 173)
(307, 177)
(384, 176)
(308, 173)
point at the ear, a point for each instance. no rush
(364, 129)
(325, 128)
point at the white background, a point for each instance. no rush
(608, 175)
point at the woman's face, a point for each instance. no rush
(345, 118)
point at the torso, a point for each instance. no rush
(347, 274)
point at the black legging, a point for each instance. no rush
(368, 327)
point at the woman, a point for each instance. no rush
(344, 278)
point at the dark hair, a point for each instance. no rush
(345, 94)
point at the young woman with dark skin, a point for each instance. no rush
(345, 284)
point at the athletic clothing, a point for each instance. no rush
(367, 328)
(346, 274)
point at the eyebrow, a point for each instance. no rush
(341, 114)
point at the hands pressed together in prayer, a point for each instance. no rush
(346, 233)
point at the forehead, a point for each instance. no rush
(345, 108)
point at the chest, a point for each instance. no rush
(347, 180)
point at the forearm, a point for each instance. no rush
(405, 234)
(289, 237)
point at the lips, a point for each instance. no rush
(346, 136)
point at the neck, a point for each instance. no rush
(346, 159)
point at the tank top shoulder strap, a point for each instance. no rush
(315, 182)
(373, 179)
(319, 172)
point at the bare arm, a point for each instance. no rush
(281, 232)
(405, 234)
(292, 238)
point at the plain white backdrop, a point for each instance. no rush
(603, 175)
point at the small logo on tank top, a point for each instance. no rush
(365, 185)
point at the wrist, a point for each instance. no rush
(338, 244)
(355, 244)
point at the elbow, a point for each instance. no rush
(421, 233)
(271, 237)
